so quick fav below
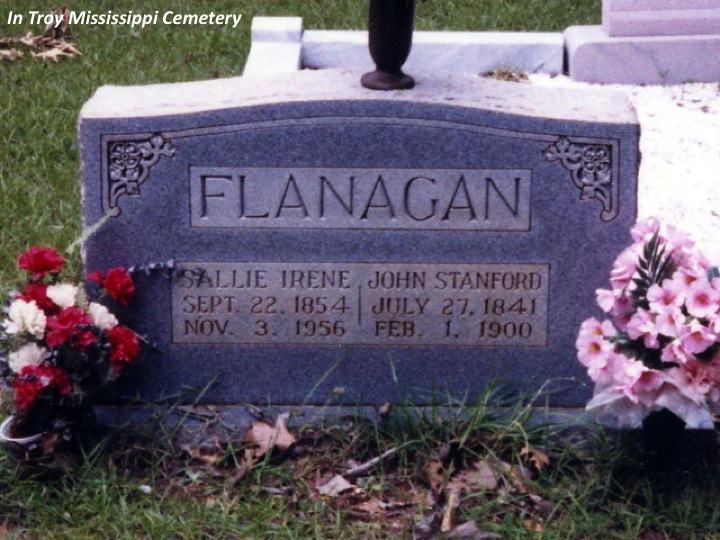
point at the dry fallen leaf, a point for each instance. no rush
(371, 507)
(537, 458)
(435, 474)
(209, 454)
(377, 507)
(239, 474)
(57, 52)
(384, 410)
(265, 438)
(29, 41)
(470, 531)
(533, 526)
(335, 487)
(10, 55)
(543, 507)
(479, 476)
(452, 504)
(52, 45)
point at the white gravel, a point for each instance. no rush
(679, 180)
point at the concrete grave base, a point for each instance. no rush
(459, 52)
(595, 57)
(280, 45)
(198, 424)
(660, 17)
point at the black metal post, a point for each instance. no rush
(390, 39)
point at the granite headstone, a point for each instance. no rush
(647, 42)
(330, 241)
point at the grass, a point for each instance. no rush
(596, 485)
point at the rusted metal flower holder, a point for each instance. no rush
(390, 39)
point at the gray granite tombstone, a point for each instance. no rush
(331, 242)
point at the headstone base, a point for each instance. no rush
(199, 424)
(279, 46)
(595, 57)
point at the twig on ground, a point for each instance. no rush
(365, 467)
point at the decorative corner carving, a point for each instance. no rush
(591, 167)
(129, 164)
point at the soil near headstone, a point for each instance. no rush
(679, 179)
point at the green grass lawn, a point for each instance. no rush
(595, 484)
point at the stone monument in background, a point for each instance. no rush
(648, 42)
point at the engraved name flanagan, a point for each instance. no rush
(452, 199)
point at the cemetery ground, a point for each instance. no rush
(464, 472)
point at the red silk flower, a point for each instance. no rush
(32, 381)
(68, 325)
(117, 282)
(41, 261)
(37, 292)
(124, 347)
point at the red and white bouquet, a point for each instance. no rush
(57, 348)
(661, 350)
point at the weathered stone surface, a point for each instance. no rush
(458, 52)
(472, 221)
(268, 57)
(276, 29)
(276, 45)
(595, 57)
(658, 18)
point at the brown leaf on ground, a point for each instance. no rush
(371, 507)
(448, 452)
(516, 477)
(58, 51)
(48, 442)
(537, 458)
(384, 410)
(469, 530)
(10, 55)
(452, 504)
(533, 526)
(335, 487)
(263, 438)
(435, 476)
(239, 474)
(543, 507)
(52, 45)
(209, 454)
(376, 507)
(479, 476)
(29, 41)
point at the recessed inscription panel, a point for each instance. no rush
(437, 199)
(384, 304)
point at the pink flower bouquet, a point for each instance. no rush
(661, 348)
